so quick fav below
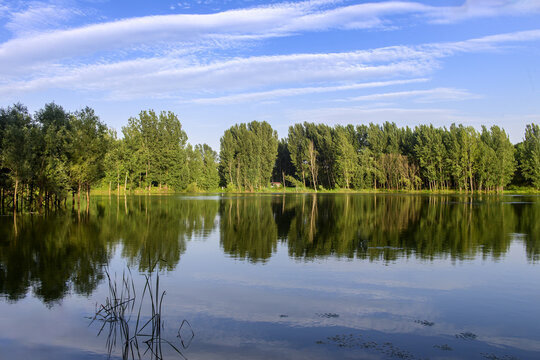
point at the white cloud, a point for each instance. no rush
(189, 29)
(483, 8)
(38, 17)
(421, 96)
(188, 77)
(165, 75)
(271, 94)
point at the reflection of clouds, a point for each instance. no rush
(61, 329)
(520, 343)
(243, 299)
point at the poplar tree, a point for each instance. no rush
(347, 161)
(89, 147)
(530, 155)
(247, 155)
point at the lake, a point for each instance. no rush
(296, 276)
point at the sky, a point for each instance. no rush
(215, 63)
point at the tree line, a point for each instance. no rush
(47, 156)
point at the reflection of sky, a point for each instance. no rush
(235, 307)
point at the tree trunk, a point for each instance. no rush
(87, 199)
(125, 184)
(15, 195)
(313, 164)
(31, 194)
(147, 166)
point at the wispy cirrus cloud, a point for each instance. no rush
(483, 8)
(189, 30)
(166, 75)
(277, 93)
(264, 76)
(420, 96)
(37, 17)
(153, 31)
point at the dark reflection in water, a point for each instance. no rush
(377, 227)
(63, 252)
(55, 254)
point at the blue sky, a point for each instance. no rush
(217, 63)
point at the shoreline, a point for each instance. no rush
(518, 191)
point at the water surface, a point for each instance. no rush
(283, 276)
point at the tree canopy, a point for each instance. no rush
(47, 156)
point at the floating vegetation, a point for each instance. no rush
(124, 328)
(327, 315)
(444, 347)
(424, 322)
(348, 340)
(466, 336)
(495, 357)
(356, 341)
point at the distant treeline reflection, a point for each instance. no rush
(65, 252)
(377, 227)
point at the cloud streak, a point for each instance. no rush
(188, 78)
(188, 30)
(271, 94)
(421, 96)
(37, 17)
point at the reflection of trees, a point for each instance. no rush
(248, 228)
(377, 227)
(528, 216)
(323, 225)
(59, 253)
(156, 229)
(463, 227)
(64, 252)
(51, 255)
(388, 227)
(349, 225)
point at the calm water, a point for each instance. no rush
(282, 277)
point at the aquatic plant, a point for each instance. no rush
(138, 338)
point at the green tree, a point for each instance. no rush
(210, 174)
(500, 155)
(430, 153)
(297, 144)
(155, 145)
(347, 161)
(52, 150)
(115, 162)
(462, 145)
(89, 147)
(530, 155)
(15, 156)
(248, 154)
